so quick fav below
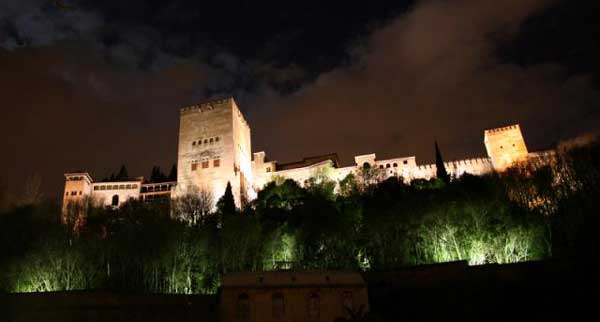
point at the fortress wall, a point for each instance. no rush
(474, 166)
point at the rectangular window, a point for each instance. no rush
(194, 166)
(96, 187)
(204, 164)
(216, 163)
(80, 192)
(268, 169)
(73, 193)
(128, 186)
(66, 193)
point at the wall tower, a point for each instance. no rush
(214, 148)
(505, 146)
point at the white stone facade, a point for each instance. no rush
(215, 149)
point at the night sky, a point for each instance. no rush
(95, 84)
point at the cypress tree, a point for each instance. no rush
(441, 172)
(173, 173)
(226, 205)
(123, 175)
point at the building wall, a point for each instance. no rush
(103, 192)
(77, 187)
(256, 292)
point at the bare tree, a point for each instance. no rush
(193, 206)
(33, 190)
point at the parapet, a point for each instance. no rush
(205, 106)
(502, 129)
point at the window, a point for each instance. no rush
(194, 143)
(366, 165)
(211, 140)
(80, 192)
(66, 193)
(102, 187)
(387, 165)
(217, 139)
(501, 147)
(268, 169)
(96, 187)
(194, 166)
(405, 162)
(243, 307)
(122, 186)
(134, 186)
(128, 186)
(204, 164)
(278, 305)
(216, 163)
(381, 166)
(115, 200)
(73, 193)
(395, 165)
(205, 141)
(314, 302)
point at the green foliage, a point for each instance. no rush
(524, 214)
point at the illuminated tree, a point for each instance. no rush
(194, 206)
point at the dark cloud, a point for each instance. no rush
(434, 72)
(100, 84)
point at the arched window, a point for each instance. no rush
(115, 200)
(243, 307)
(314, 302)
(387, 165)
(366, 165)
(395, 165)
(278, 305)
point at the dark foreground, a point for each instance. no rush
(536, 291)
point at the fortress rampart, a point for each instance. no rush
(215, 148)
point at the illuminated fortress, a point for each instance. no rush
(215, 148)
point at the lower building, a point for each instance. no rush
(292, 296)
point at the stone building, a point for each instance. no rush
(292, 296)
(215, 148)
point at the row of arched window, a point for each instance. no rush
(206, 141)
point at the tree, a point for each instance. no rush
(123, 175)
(157, 175)
(173, 173)
(194, 206)
(226, 205)
(33, 193)
(441, 172)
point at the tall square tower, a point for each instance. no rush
(214, 149)
(505, 146)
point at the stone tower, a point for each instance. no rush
(505, 146)
(214, 148)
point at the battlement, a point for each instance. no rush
(503, 129)
(205, 105)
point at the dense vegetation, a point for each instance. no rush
(532, 212)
